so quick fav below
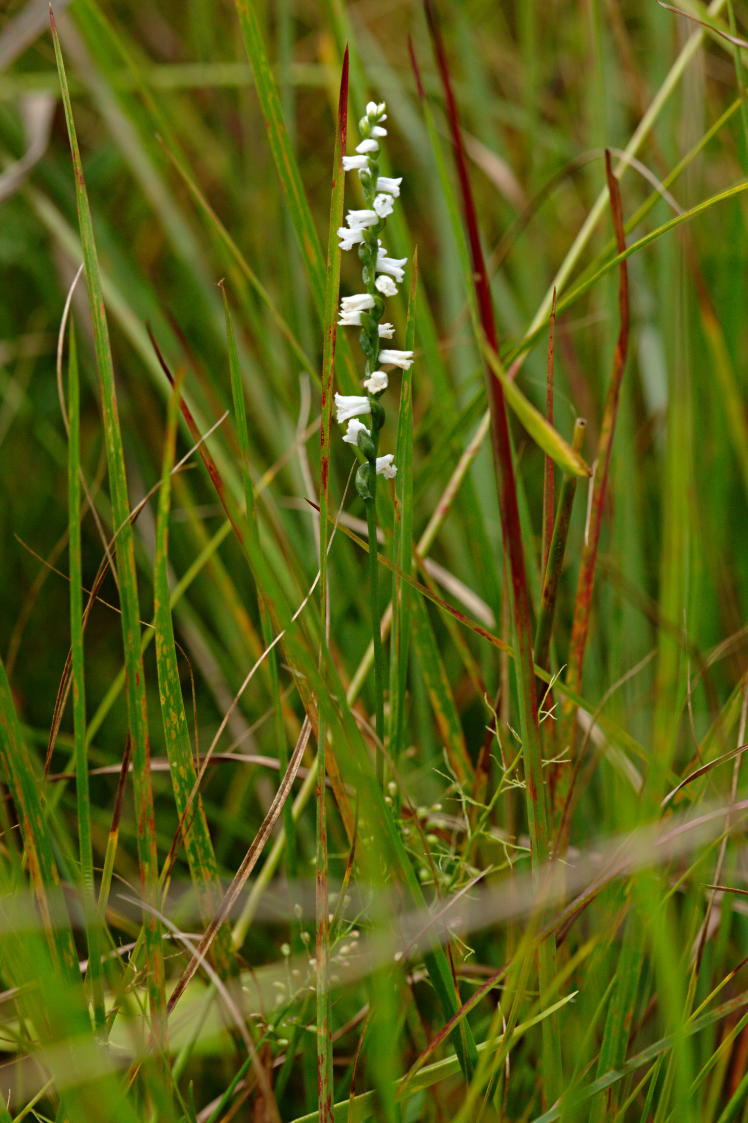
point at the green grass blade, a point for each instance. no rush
(635, 247)
(39, 851)
(136, 698)
(325, 1084)
(534, 423)
(194, 828)
(402, 538)
(253, 545)
(364, 1106)
(82, 787)
(286, 164)
(446, 716)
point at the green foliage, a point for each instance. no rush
(237, 873)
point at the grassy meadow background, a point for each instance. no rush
(524, 920)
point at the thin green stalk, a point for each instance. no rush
(402, 544)
(325, 1081)
(253, 545)
(740, 77)
(556, 556)
(325, 1084)
(83, 796)
(26, 788)
(137, 707)
(286, 164)
(585, 582)
(643, 129)
(376, 625)
(194, 831)
(363, 1107)
(76, 627)
(366, 310)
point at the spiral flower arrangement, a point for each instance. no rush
(380, 275)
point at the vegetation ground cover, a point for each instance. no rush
(255, 864)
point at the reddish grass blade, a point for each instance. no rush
(734, 39)
(583, 604)
(535, 791)
(501, 445)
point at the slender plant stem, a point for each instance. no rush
(536, 799)
(376, 633)
(643, 129)
(555, 558)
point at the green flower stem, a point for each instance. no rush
(376, 633)
(370, 347)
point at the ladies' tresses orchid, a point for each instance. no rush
(354, 428)
(386, 467)
(351, 308)
(350, 405)
(358, 222)
(360, 302)
(384, 183)
(381, 276)
(386, 286)
(384, 205)
(355, 164)
(391, 265)
(402, 359)
(376, 382)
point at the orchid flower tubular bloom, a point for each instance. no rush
(380, 276)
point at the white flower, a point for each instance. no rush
(384, 205)
(349, 238)
(386, 286)
(349, 319)
(354, 428)
(351, 308)
(376, 382)
(374, 110)
(356, 163)
(377, 130)
(391, 265)
(386, 183)
(350, 405)
(386, 466)
(386, 331)
(358, 220)
(359, 302)
(368, 146)
(402, 359)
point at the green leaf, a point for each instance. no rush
(534, 423)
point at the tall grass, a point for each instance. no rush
(242, 876)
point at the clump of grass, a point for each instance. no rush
(326, 800)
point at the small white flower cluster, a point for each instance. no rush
(381, 276)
